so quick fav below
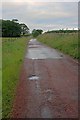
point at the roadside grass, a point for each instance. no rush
(13, 50)
(0, 78)
(65, 42)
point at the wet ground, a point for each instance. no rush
(48, 85)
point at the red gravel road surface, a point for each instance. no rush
(48, 85)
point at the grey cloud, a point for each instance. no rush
(36, 14)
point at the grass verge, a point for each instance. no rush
(13, 54)
(66, 42)
(0, 78)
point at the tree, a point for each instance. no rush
(40, 31)
(37, 32)
(13, 28)
(15, 20)
(10, 29)
(24, 29)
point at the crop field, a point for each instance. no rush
(13, 50)
(65, 42)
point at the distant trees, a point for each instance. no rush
(40, 31)
(62, 31)
(37, 32)
(13, 28)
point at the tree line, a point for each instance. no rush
(11, 28)
(62, 31)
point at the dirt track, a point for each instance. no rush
(48, 85)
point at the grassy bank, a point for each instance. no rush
(13, 55)
(67, 43)
(0, 78)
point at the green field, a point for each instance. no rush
(13, 55)
(0, 78)
(65, 42)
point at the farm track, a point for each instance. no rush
(48, 85)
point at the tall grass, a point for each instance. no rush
(0, 78)
(66, 42)
(13, 54)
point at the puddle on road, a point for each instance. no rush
(42, 53)
(33, 77)
(46, 112)
(38, 51)
(34, 46)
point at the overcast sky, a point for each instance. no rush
(42, 15)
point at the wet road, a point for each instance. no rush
(48, 86)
